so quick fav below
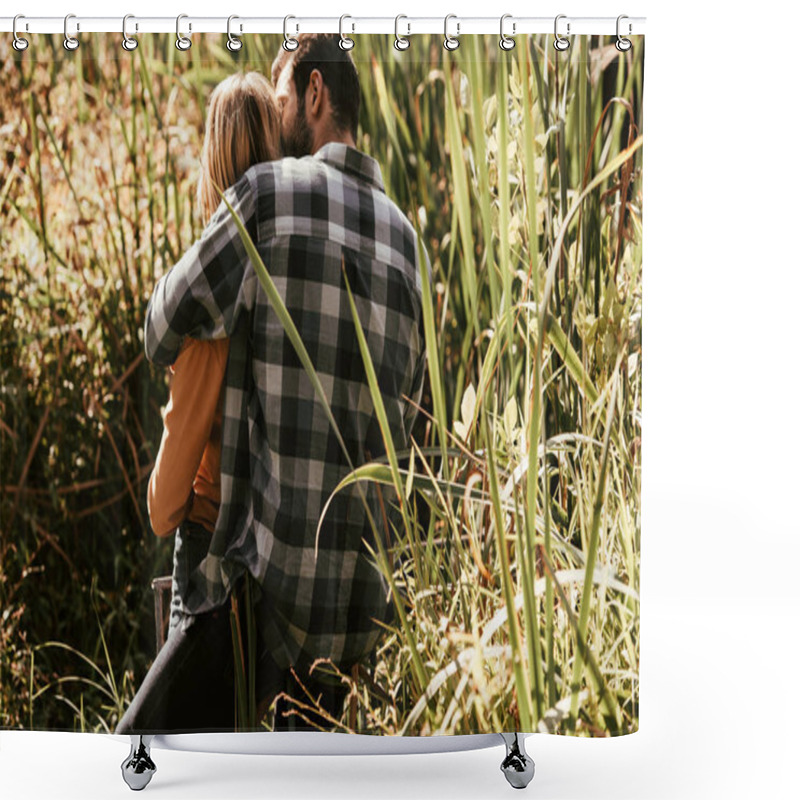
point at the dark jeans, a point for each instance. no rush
(190, 686)
(192, 542)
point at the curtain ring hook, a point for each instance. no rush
(401, 42)
(344, 42)
(182, 42)
(233, 44)
(289, 44)
(451, 42)
(19, 44)
(623, 44)
(506, 42)
(128, 42)
(70, 42)
(559, 43)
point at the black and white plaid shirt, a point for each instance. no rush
(280, 457)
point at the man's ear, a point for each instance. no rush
(314, 93)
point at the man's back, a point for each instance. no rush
(312, 220)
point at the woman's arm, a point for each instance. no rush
(199, 373)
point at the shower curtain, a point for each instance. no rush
(370, 419)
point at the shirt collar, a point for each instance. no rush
(351, 161)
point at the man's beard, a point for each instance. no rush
(296, 142)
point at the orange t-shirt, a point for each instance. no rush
(185, 480)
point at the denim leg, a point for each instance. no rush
(192, 541)
(190, 686)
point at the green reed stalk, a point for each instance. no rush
(476, 68)
(461, 202)
(434, 369)
(530, 174)
(532, 378)
(591, 556)
(504, 197)
(377, 402)
(520, 668)
(238, 661)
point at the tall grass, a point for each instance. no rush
(521, 491)
(538, 302)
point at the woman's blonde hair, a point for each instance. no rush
(242, 129)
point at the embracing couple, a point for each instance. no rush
(249, 458)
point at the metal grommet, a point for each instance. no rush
(182, 42)
(506, 42)
(450, 42)
(289, 44)
(70, 42)
(344, 42)
(128, 42)
(559, 43)
(623, 44)
(233, 44)
(401, 42)
(19, 44)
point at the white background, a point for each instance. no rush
(720, 602)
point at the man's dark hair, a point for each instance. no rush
(321, 51)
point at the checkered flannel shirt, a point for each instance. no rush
(280, 459)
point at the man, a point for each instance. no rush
(314, 218)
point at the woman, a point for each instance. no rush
(190, 684)
(242, 129)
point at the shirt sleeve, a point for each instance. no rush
(198, 376)
(202, 295)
